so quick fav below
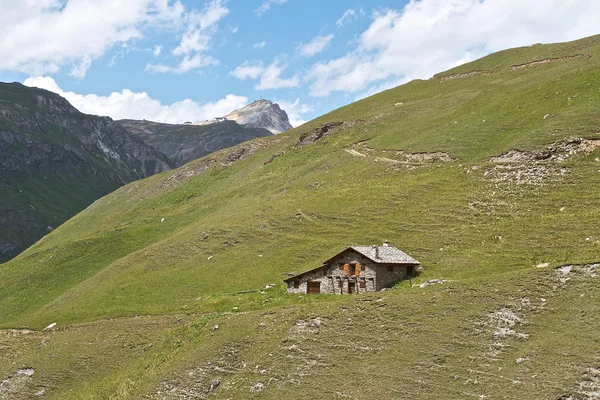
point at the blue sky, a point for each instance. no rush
(191, 60)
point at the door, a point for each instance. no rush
(351, 287)
(313, 287)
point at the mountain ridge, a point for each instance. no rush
(184, 143)
(53, 154)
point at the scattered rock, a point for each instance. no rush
(565, 270)
(557, 152)
(398, 156)
(433, 282)
(504, 324)
(542, 265)
(588, 388)
(458, 76)
(269, 286)
(13, 385)
(273, 157)
(318, 133)
(257, 387)
(26, 371)
(525, 174)
(540, 62)
(214, 384)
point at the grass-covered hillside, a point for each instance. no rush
(487, 174)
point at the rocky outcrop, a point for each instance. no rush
(55, 160)
(262, 114)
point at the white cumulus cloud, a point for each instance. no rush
(40, 37)
(270, 76)
(139, 105)
(196, 41)
(315, 46)
(429, 36)
(248, 70)
(295, 111)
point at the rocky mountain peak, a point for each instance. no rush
(262, 114)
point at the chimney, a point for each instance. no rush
(376, 248)
(386, 244)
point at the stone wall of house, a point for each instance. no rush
(389, 274)
(333, 279)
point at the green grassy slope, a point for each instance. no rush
(183, 242)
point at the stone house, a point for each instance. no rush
(356, 269)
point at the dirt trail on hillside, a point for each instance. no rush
(535, 63)
(397, 156)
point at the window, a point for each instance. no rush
(363, 284)
(390, 268)
(341, 266)
(296, 284)
(352, 269)
(363, 267)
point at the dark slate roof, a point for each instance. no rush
(387, 255)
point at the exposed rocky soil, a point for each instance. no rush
(318, 133)
(14, 384)
(511, 68)
(525, 174)
(557, 152)
(398, 156)
(541, 62)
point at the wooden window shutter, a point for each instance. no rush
(357, 270)
(346, 269)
